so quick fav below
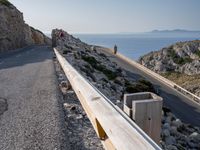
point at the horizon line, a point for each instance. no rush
(139, 32)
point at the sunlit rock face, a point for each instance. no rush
(14, 32)
(182, 57)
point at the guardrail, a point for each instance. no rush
(113, 127)
(162, 79)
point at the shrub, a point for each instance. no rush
(182, 61)
(111, 75)
(102, 55)
(68, 47)
(96, 65)
(118, 82)
(89, 68)
(65, 51)
(198, 53)
(172, 53)
(141, 86)
(131, 89)
(91, 60)
(177, 59)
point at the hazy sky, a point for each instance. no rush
(110, 16)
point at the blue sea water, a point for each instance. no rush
(136, 45)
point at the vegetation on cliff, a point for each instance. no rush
(181, 57)
(179, 62)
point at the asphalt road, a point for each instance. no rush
(185, 109)
(31, 116)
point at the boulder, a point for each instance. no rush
(177, 123)
(166, 133)
(170, 140)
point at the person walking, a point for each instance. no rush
(115, 49)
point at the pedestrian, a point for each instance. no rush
(115, 49)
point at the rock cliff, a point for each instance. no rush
(182, 57)
(14, 32)
(179, 63)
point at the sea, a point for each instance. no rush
(136, 45)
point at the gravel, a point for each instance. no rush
(34, 118)
(79, 130)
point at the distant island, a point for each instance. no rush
(175, 31)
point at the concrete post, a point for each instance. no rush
(145, 109)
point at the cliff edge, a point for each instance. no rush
(14, 32)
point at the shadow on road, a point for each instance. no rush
(24, 56)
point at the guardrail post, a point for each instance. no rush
(145, 109)
(100, 131)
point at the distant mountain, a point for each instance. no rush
(174, 31)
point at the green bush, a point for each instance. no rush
(96, 65)
(177, 59)
(141, 86)
(89, 68)
(5, 2)
(198, 53)
(91, 60)
(182, 61)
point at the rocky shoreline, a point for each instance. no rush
(114, 81)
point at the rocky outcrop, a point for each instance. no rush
(179, 63)
(14, 32)
(64, 40)
(182, 57)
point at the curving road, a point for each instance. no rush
(31, 116)
(185, 109)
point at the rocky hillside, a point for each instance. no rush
(113, 81)
(94, 65)
(179, 63)
(182, 57)
(14, 32)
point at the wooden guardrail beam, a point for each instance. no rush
(113, 127)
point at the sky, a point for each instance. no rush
(110, 16)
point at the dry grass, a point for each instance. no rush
(189, 82)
